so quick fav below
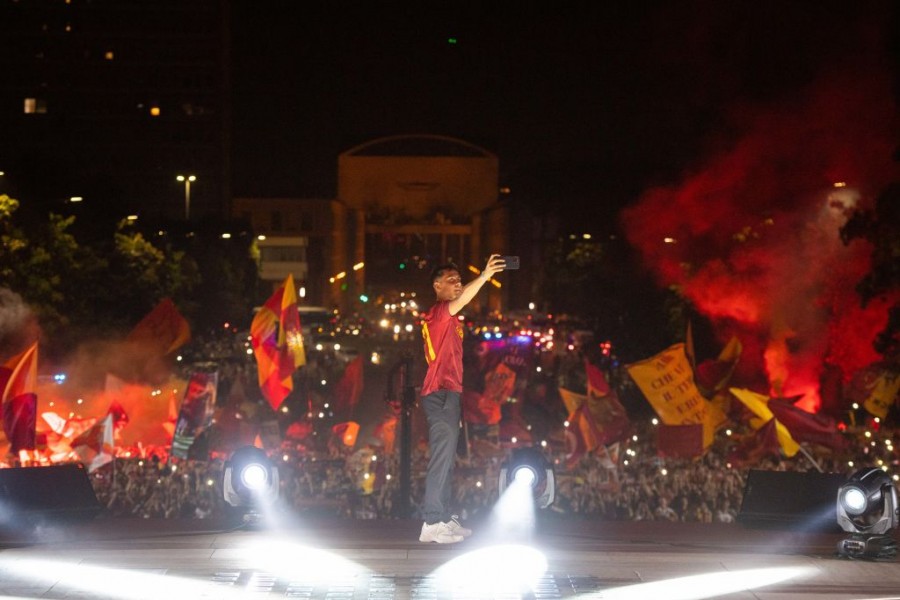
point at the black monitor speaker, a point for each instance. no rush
(791, 500)
(31, 495)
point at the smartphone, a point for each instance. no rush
(512, 262)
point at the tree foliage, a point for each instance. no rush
(603, 283)
(81, 291)
(881, 227)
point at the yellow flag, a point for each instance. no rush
(883, 394)
(667, 381)
(757, 403)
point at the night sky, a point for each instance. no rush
(586, 104)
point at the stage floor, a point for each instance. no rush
(344, 560)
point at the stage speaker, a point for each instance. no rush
(791, 500)
(35, 495)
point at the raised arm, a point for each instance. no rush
(494, 265)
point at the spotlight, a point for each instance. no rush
(251, 481)
(867, 508)
(529, 467)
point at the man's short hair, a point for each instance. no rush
(438, 271)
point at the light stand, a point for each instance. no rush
(250, 482)
(868, 509)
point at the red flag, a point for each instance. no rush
(95, 446)
(610, 415)
(679, 441)
(278, 343)
(712, 376)
(386, 431)
(479, 410)
(163, 329)
(120, 417)
(807, 427)
(349, 388)
(299, 430)
(19, 399)
(596, 382)
(346, 432)
(19, 421)
(499, 384)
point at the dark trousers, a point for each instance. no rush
(442, 412)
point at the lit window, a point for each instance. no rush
(34, 106)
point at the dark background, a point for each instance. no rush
(585, 104)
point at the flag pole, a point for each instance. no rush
(810, 458)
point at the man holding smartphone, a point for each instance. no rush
(442, 334)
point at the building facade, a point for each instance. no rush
(404, 204)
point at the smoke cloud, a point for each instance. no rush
(18, 325)
(751, 235)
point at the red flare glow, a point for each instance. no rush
(752, 237)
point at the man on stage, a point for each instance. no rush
(441, 392)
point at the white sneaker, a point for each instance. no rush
(457, 528)
(440, 533)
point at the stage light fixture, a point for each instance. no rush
(868, 509)
(529, 467)
(250, 481)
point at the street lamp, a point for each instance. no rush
(187, 179)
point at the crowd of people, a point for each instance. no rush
(353, 485)
(321, 476)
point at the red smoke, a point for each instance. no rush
(751, 236)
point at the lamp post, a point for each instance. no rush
(187, 179)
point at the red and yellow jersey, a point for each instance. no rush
(442, 334)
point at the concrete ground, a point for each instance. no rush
(383, 560)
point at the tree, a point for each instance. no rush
(43, 263)
(881, 227)
(85, 291)
(603, 284)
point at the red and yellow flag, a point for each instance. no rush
(163, 329)
(18, 381)
(599, 420)
(758, 405)
(278, 343)
(581, 421)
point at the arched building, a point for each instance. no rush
(404, 203)
(413, 201)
